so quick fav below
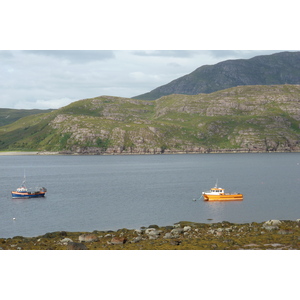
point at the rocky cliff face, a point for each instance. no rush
(251, 118)
(244, 118)
(279, 68)
(247, 118)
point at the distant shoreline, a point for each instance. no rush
(11, 153)
(8, 153)
(25, 153)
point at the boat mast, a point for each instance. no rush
(216, 183)
(24, 181)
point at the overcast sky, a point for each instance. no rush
(55, 58)
(54, 78)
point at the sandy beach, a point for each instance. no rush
(18, 153)
(9, 153)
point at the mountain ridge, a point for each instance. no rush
(278, 68)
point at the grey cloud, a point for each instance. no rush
(217, 54)
(6, 54)
(75, 56)
(174, 64)
(245, 54)
(168, 53)
(223, 53)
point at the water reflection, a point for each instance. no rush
(217, 211)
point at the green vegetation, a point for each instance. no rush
(103, 144)
(8, 116)
(245, 118)
(181, 236)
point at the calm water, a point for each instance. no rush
(87, 193)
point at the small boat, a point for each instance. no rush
(23, 192)
(218, 194)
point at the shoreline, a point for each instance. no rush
(184, 235)
(31, 153)
(9, 153)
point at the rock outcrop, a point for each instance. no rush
(239, 119)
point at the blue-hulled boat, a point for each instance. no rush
(23, 192)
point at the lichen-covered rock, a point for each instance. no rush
(118, 241)
(272, 223)
(109, 235)
(76, 246)
(137, 239)
(187, 228)
(65, 241)
(138, 231)
(157, 232)
(270, 227)
(175, 243)
(153, 233)
(88, 238)
(168, 235)
(177, 231)
(150, 230)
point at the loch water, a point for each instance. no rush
(87, 193)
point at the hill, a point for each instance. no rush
(245, 118)
(279, 68)
(8, 115)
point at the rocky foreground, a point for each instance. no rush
(269, 235)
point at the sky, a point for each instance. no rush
(55, 52)
(54, 78)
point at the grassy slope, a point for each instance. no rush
(224, 119)
(8, 116)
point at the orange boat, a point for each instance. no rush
(218, 194)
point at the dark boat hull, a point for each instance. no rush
(27, 195)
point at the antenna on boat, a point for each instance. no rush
(216, 183)
(24, 178)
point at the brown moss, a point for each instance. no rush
(215, 236)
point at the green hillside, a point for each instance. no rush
(8, 115)
(245, 118)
